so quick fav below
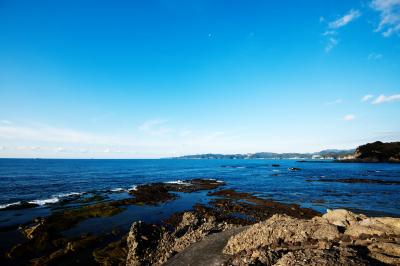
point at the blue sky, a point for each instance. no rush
(147, 79)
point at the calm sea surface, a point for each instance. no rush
(47, 181)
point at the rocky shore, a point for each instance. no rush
(230, 228)
(339, 237)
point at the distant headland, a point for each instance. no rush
(375, 152)
(371, 152)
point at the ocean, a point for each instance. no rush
(369, 188)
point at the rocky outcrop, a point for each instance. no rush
(153, 245)
(376, 152)
(339, 237)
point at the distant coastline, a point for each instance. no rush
(321, 155)
(376, 152)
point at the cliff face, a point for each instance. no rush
(378, 152)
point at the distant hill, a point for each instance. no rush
(375, 152)
(325, 154)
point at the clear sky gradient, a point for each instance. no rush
(154, 78)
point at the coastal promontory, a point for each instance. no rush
(375, 152)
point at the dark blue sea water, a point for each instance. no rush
(46, 181)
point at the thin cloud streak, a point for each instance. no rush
(389, 11)
(344, 20)
(333, 26)
(386, 99)
(367, 97)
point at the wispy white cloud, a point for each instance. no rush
(44, 141)
(332, 42)
(374, 56)
(337, 101)
(344, 20)
(47, 133)
(331, 32)
(385, 99)
(389, 16)
(349, 117)
(155, 127)
(367, 97)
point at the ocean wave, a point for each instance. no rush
(42, 202)
(3, 206)
(120, 189)
(53, 199)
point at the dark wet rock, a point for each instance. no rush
(63, 220)
(359, 180)
(45, 243)
(152, 193)
(114, 253)
(259, 209)
(160, 192)
(294, 169)
(94, 198)
(71, 247)
(194, 185)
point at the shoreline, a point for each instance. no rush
(50, 238)
(82, 231)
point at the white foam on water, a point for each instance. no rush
(178, 182)
(118, 189)
(134, 187)
(53, 199)
(3, 206)
(42, 202)
(66, 195)
(215, 180)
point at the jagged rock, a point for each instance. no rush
(284, 240)
(153, 245)
(317, 257)
(341, 217)
(283, 230)
(339, 237)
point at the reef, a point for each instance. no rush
(46, 242)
